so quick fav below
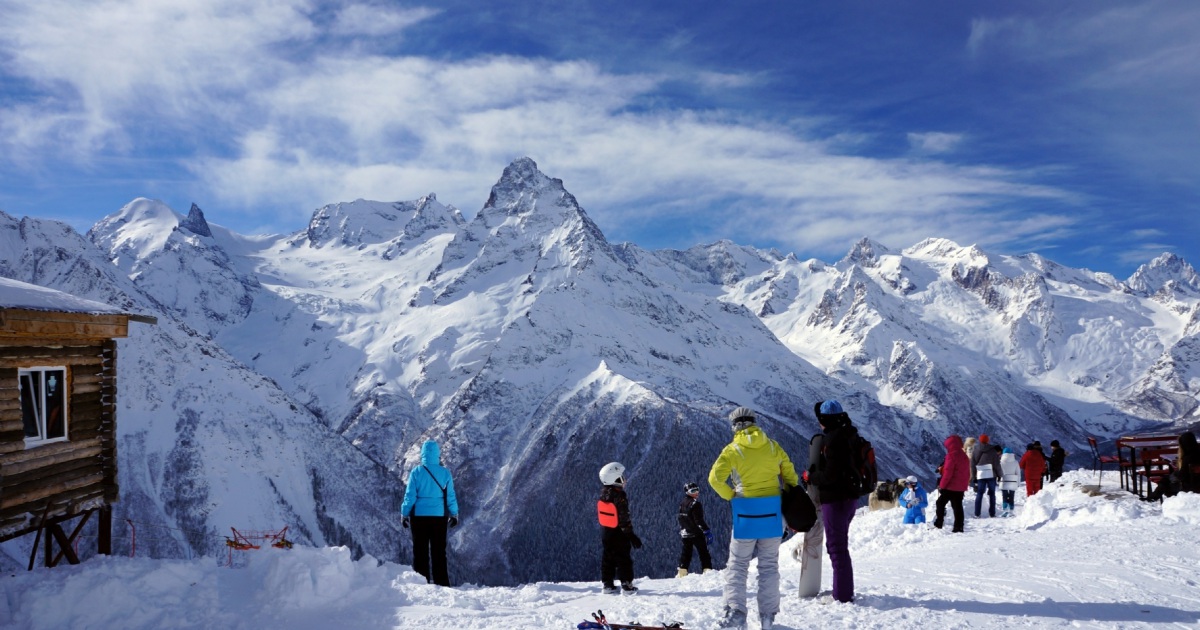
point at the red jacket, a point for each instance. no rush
(956, 469)
(1033, 462)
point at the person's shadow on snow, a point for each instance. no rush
(1076, 611)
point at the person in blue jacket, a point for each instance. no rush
(915, 500)
(429, 507)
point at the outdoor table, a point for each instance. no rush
(1137, 445)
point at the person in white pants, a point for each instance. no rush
(749, 473)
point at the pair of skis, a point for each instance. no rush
(601, 623)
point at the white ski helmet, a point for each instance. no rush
(613, 474)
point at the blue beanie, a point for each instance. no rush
(1007, 450)
(830, 407)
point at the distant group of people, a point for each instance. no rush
(985, 467)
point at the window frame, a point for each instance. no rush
(40, 412)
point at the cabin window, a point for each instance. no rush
(44, 403)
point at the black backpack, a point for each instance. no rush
(859, 476)
(864, 470)
(798, 510)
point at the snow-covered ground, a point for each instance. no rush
(1069, 558)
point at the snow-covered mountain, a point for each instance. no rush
(205, 443)
(942, 330)
(536, 351)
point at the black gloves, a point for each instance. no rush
(635, 541)
(404, 522)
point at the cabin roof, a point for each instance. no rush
(22, 295)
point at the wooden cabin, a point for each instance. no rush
(58, 404)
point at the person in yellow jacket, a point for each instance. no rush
(749, 473)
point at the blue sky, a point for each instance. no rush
(1071, 129)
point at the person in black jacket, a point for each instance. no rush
(617, 534)
(830, 472)
(985, 468)
(1058, 458)
(693, 530)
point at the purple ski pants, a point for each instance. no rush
(836, 517)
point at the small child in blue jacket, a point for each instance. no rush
(915, 500)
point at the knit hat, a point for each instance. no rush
(983, 438)
(830, 407)
(1007, 450)
(1054, 443)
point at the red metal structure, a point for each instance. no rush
(247, 540)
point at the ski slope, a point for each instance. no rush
(1068, 559)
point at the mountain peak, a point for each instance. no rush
(533, 199)
(866, 253)
(429, 214)
(935, 247)
(528, 216)
(143, 224)
(357, 223)
(520, 188)
(948, 251)
(195, 222)
(520, 169)
(1168, 268)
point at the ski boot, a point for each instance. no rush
(734, 618)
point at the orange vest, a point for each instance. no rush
(607, 513)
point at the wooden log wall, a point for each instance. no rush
(72, 476)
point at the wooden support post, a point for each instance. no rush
(104, 532)
(50, 543)
(38, 538)
(67, 543)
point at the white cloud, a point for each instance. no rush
(1143, 253)
(361, 19)
(298, 125)
(934, 141)
(118, 63)
(1147, 233)
(1125, 79)
(987, 32)
(726, 81)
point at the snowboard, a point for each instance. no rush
(810, 554)
(601, 623)
(595, 625)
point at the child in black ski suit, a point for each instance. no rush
(693, 530)
(616, 531)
